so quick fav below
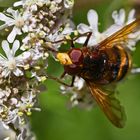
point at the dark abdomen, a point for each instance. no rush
(106, 66)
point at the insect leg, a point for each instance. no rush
(135, 71)
(51, 49)
(82, 35)
(72, 44)
(63, 74)
(60, 81)
(72, 82)
(88, 37)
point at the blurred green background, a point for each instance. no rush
(57, 122)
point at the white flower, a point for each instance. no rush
(80, 94)
(16, 19)
(59, 35)
(6, 133)
(27, 2)
(120, 17)
(27, 102)
(120, 22)
(26, 133)
(96, 37)
(68, 4)
(12, 63)
(4, 94)
(39, 2)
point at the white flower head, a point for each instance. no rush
(15, 19)
(120, 20)
(12, 63)
(60, 35)
(79, 94)
(6, 133)
(96, 37)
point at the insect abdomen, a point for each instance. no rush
(125, 63)
(106, 66)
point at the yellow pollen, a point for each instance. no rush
(26, 67)
(29, 113)
(20, 114)
(43, 78)
(68, 37)
(64, 58)
(6, 29)
(37, 67)
(76, 33)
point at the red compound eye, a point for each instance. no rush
(76, 56)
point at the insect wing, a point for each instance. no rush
(121, 36)
(109, 104)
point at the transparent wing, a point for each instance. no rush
(121, 36)
(105, 98)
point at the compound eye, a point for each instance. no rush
(76, 56)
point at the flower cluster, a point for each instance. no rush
(79, 94)
(31, 26)
(10, 133)
(120, 20)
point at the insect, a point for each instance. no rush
(102, 67)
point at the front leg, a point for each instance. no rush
(60, 81)
(72, 82)
(87, 40)
(88, 34)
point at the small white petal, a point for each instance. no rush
(5, 72)
(18, 72)
(119, 18)
(25, 28)
(4, 18)
(83, 28)
(7, 138)
(10, 10)
(18, 3)
(93, 41)
(131, 16)
(12, 35)
(67, 31)
(34, 8)
(18, 31)
(13, 101)
(122, 16)
(79, 83)
(16, 46)
(23, 56)
(3, 26)
(5, 126)
(5, 47)
(57, 1)
(93, 20)
(3, 60)
(15, 13)
(68, 4)
(81, 40)
(115, 16)
(112, 29)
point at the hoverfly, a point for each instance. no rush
(102, 67)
